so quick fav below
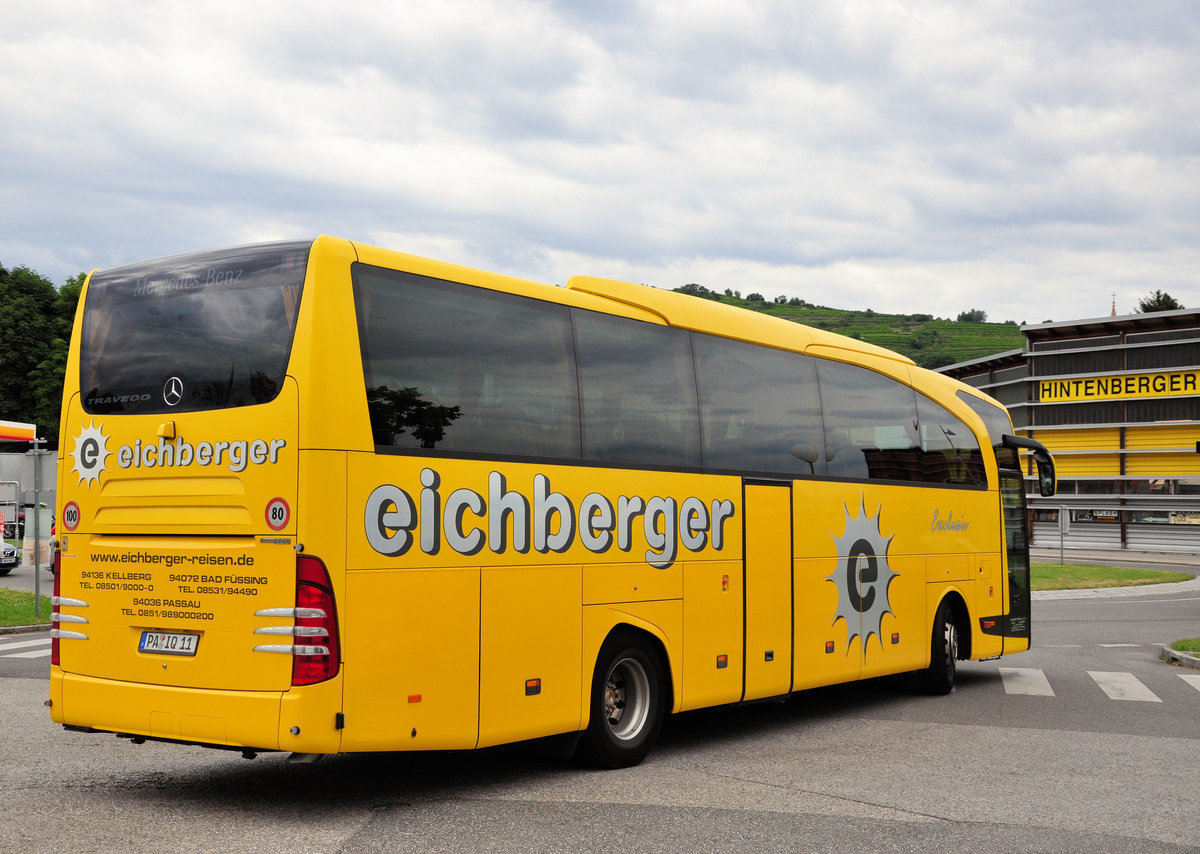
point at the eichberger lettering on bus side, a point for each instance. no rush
(466, 521)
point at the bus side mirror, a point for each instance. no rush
(1047, 482)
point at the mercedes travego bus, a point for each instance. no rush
(320, 497)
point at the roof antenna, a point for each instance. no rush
(1114, 308)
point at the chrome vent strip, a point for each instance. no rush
(68, 635)
(289, 649)
(67, 618)
(295, 631)
(290, 612)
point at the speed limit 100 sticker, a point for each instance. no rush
(70, 516)
(278, 514)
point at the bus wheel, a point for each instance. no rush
(938, 677)
(627, 703)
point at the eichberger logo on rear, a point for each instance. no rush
(91, 453)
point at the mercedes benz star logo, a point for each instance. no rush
(173, 391)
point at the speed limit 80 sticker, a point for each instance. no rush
(278, 514)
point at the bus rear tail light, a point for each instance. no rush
(314, 593)
(315, 646)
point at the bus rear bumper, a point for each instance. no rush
(235, 719)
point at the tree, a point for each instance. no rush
(925, 339)
(35, 328)
(696, 290)
(975, 315)
(1158, 301)
(933, 361)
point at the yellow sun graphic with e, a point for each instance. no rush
(862, 577)
(91, 453)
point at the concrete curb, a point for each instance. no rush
(1186, 659)
(18, 630)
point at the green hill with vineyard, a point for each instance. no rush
(929, 341)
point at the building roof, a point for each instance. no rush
(998, 361)
(1149, 322)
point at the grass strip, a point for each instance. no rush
(16, 609)
(1191, 645)
(1076, 576)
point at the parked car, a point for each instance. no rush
(10, 558)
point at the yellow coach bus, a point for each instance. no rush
(320, 497)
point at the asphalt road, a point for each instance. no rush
(866, 767)
(25, 578)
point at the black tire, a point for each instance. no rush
(628, 702)
(938, 677)
(6, 570)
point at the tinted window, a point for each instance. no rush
(638, 391)
(759, 407)
(998, 423)
(207, 330)
(870, 425)
(949, 450)
(453, 367)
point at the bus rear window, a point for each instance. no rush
(206, 330)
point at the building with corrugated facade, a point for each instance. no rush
(1117, 401)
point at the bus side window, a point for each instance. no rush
(870, 424)
(950, 451)
(759, 407)
(638, 391)
(457, 367)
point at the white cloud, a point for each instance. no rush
(931, 157)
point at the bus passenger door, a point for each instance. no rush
(1016, 541)
(768, 589)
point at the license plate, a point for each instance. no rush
(169, 643)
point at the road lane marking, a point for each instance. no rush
(1191, 679)
(1123, 686)
(1026, 680)
(37, 653)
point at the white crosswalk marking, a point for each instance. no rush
(42, 651)
(1123, 686)
(1191, 679)
(5, 646)
(37, 653)
(1026, 680)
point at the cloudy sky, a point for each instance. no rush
(1030, 159)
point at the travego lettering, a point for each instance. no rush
(463, 522)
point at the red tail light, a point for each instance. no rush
(54, 610)
(317, 652)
